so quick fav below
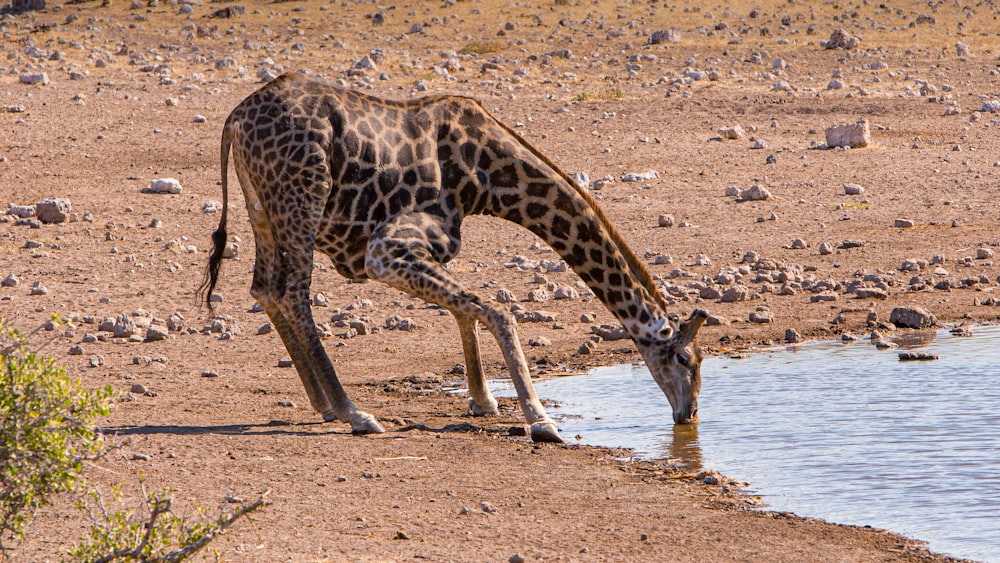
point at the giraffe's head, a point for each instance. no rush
(674, 359)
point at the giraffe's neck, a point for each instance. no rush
(544, 200)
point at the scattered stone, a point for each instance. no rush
(10, 281)
(792, 336)
(609, 332)
(825, 249)
(38, 289)
(911, 317)
(210, 373)
(734, 133)
(22, 211)
(285, 363)
(505, 296)
(903, 223)
(761, 317)
(581, 178)
(164, 186)
(538, 295)
(916, 356)
(755, 192)
(854, 135)
(586, 348)
(175, 322)
(539, 341)
(124, 327)
(567, 293)
(984, 253)
(228, 12)
(853, 189)
(641, 176)
(488, 508)
(33, 78)
(665, 36)
(665, 221)
(396, 322)
(155, 333)
(736, 293)
(53, 210)
(759, 144)
(845, 244)
(840, 39)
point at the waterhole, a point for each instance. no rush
(843, 432)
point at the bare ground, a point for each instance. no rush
(100, 138)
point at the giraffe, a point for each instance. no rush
(381, 187)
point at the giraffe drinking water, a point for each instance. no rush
(381, 187)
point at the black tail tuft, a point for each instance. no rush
(219, 238)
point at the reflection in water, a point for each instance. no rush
(830, 430)
(685, 447)
(911, 340)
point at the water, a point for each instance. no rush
(837, 431)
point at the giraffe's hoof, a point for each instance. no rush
(491, 408)
(364, 423)
(545, 431)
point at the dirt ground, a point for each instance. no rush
(138, 92)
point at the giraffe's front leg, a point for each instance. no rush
(504, 328)
(481, 401)
(399, 255)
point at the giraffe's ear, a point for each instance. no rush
(689, 328)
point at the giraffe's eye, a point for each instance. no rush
(683, 358)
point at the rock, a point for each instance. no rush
(665, 221)
(792, 336)
(539, 341)
(902, 223)
(175, 322)
(489, 509)
(736, 293)
(21, 211)
(265, 328)
(854, 135)
(991, 106)
(962, 50)
(21, 6)
(35, 78)
(164, 186)
(567, 293)
(825, 248)
(871, 293)
(586, 348)
(156, 333)
(840, 39)
(609, 332)
(983, 253)
(664, 36)
(911, 317)
(505, 296)
(581, 178)
(285, 363)
(228, 12)
(916, 356)
(124, 327)
(853, 189)
(755, 192)
(761, 317)
(733, 133)
(732, 191)
(799, 244)
(641, 176)
(53, 210)
(10, 281)
(759, 144)
(396, 322)
(538, 295)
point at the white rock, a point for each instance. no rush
(734, 133)
(35, 78)
(641, 177)
(755, 193)
(853, 189)
(53, 210)
(854, 135)
(164, 186)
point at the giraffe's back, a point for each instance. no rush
(358, 160)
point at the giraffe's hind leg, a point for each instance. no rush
(481, 401)
(400, 255)
(282, 276)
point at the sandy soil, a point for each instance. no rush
(136, 93)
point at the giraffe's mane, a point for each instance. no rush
(636, 267)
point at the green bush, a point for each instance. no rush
(155, 534)
(46, 430)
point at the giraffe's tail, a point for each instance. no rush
(219, 237)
